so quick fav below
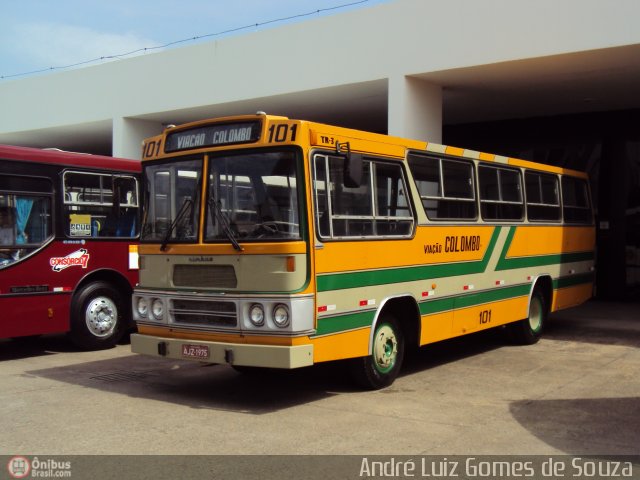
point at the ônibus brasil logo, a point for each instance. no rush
(79, 258)
(19, 467)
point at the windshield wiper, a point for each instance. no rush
(224, 223)
(187, 205)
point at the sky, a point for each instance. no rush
(42, 36)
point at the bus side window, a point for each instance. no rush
(25, 213)
(343, 211)
(100, 205)
(7, 226)
(500, 193)
(543, 197)
(321, 190)
(575, 200)
(446, 187)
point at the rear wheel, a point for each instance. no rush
(98, 316)
(529, 330)
(381, 368)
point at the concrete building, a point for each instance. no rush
(553, 81)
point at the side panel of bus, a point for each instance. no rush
(46, 263)
(41, 306)
(457, 291)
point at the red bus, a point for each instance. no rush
(68, 244)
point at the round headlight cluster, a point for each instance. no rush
(155, 306)
(280, 316)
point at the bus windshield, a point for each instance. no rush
(249, 197)
(172, 200)
(252, 197)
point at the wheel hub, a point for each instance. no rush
(385, 349)
(535, 315)
(101, 317)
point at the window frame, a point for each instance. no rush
(29, 186)
(499, 169)
(255, 183)
(106, 207)
(474, 187)
(528, 204)
(324, 157)
(588, 208)
(151, 230)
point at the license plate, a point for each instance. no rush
(195, 351)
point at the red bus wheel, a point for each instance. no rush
(97, 316)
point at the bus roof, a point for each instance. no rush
(398, 145)
(73, 159)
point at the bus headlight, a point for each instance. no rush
(157, 308)
(281, 315)
(142, 307)
(256, 314)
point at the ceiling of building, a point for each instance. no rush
(598, 80)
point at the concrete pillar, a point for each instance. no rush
(415, 109)
(128, 134)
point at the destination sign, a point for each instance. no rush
(213, 135)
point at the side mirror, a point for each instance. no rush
(352, 165)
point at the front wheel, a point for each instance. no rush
(381, 368)
(529, 330)
(98, 316)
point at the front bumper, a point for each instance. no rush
(270, 356)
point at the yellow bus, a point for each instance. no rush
(271, 242)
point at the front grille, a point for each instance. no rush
(205, 276)
(202, 312)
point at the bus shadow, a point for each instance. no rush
(220, 387)
(583, 426)
(204, 386)
(40, 345)
(453, 350)
(26, 347)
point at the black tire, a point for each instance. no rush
(529, 330)
(380, 369)
(98, 316)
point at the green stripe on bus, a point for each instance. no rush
(368, 278)
(351, 321)
(573, 281)
(505, 263)
(343, 323)
(471, 299)
(436, 306)
(497, 295)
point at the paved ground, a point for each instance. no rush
(575, 392)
